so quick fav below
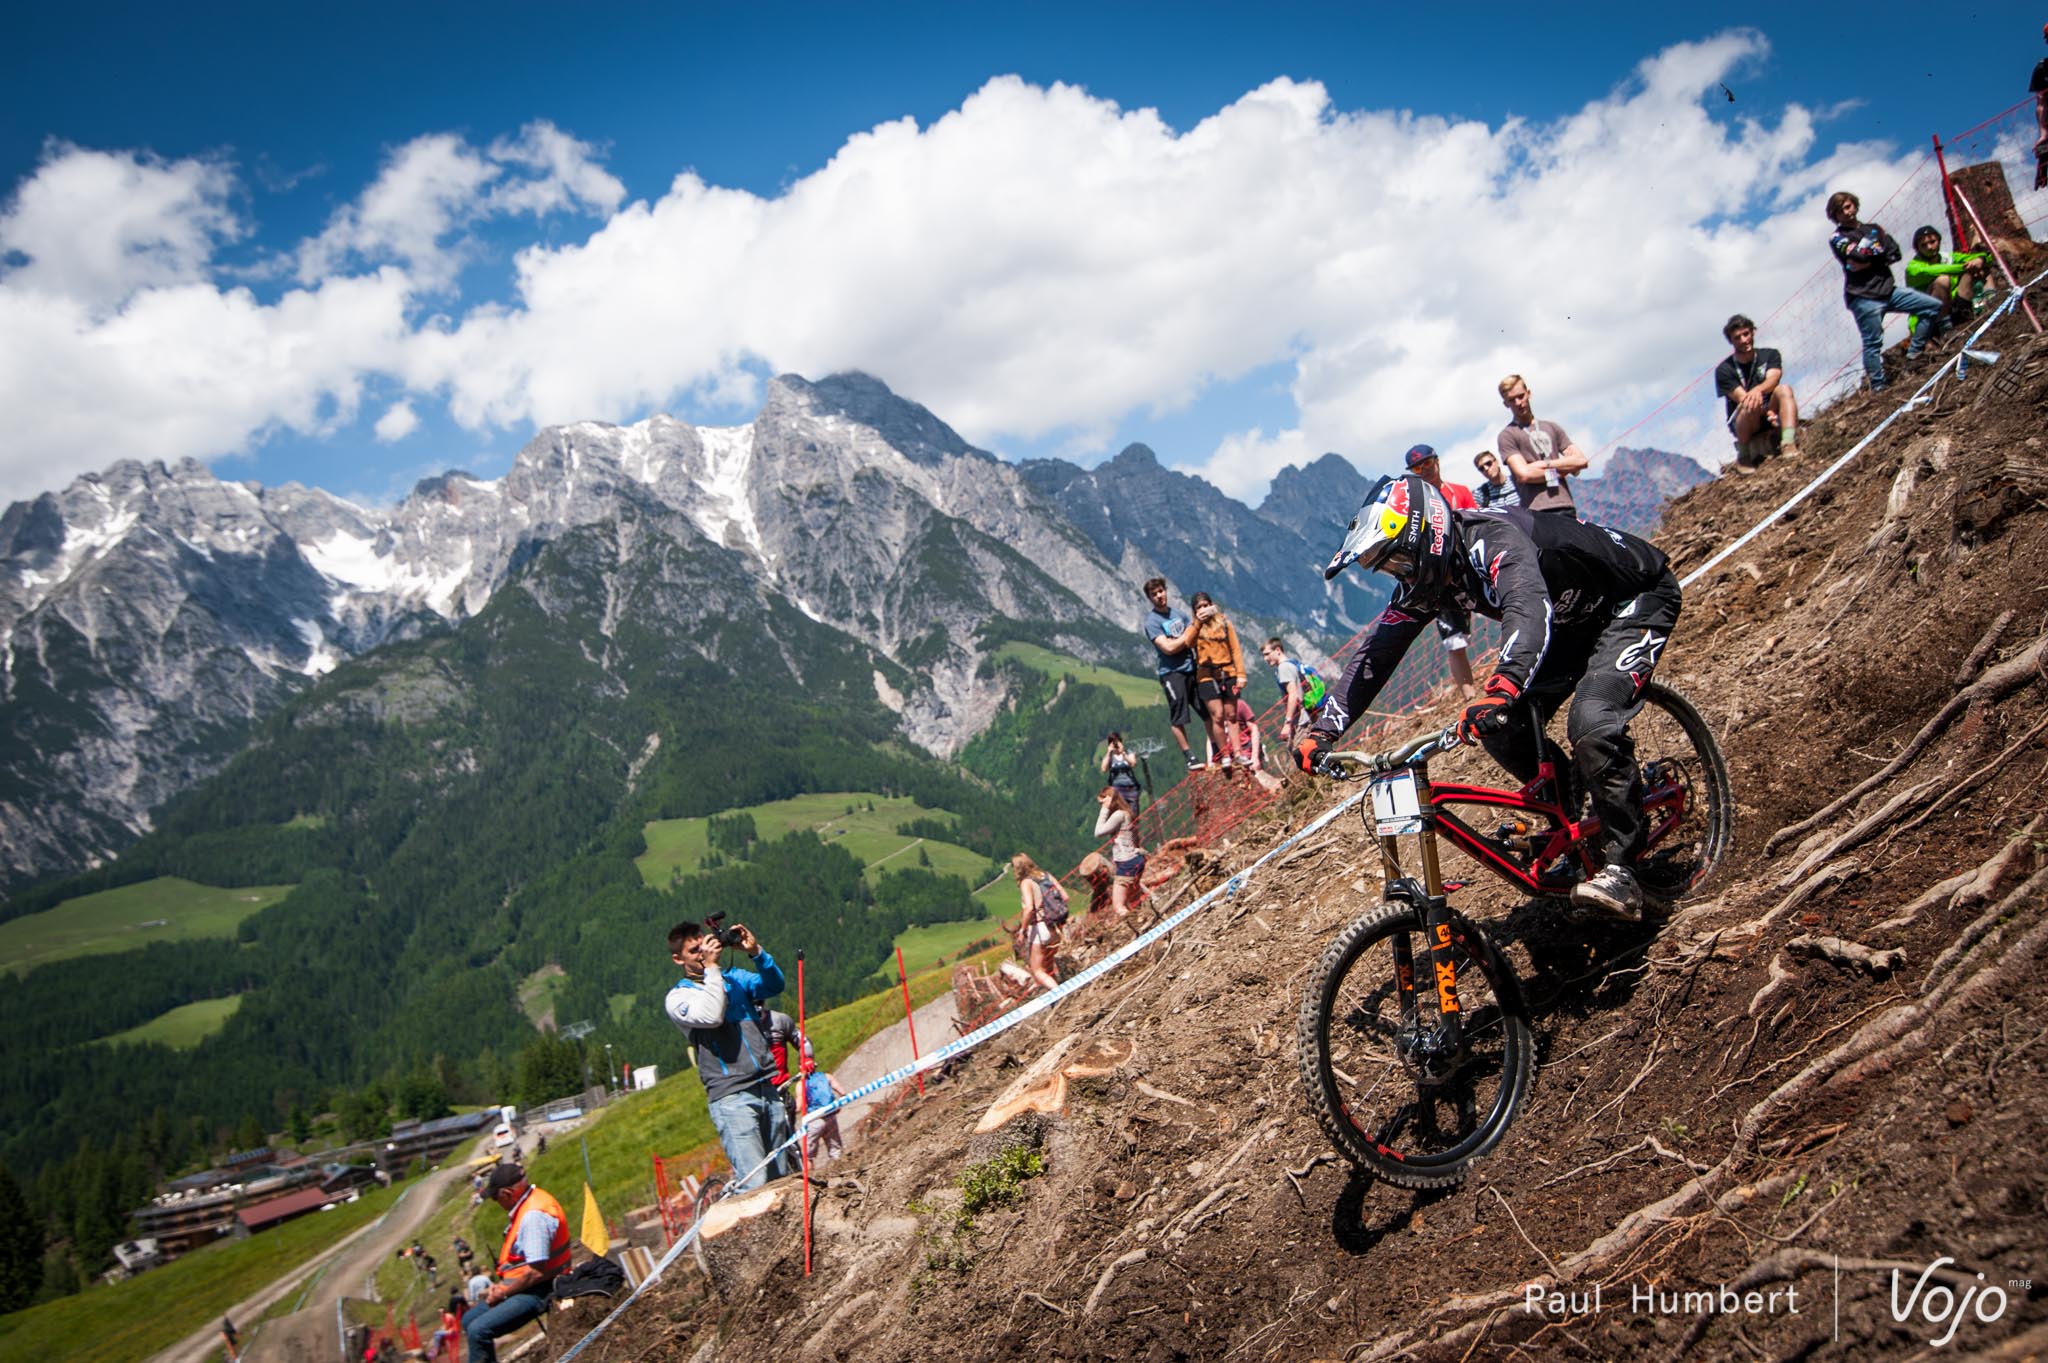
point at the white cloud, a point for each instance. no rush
(435, 187)
(186, 370)
(1039, 262)
(398, 422)
(95, 226)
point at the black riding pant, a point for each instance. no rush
(1603, 665)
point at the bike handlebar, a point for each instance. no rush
(1403, 755)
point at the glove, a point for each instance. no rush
(1310, 753)
(1488, 714)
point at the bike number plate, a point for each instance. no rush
(1395, 807)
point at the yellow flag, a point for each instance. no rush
(594, 1237)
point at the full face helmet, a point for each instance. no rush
(1404, 531)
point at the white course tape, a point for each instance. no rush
(1963, 354)
(1021, 1013)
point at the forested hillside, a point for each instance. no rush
(460, 810)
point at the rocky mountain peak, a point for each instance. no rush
(909, 427)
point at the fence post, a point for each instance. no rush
(909, 1021)
(1957, 229)
(1999, 256)
(803, 1140)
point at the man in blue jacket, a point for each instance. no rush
(716, 1009)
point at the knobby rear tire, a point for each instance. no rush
(1344, 1026)
(1669, 874)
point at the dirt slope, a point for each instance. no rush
(1711, 1108)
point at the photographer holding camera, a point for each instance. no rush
(716, 1009)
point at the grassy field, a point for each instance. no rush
(182, 1028)
(868, 834)
(166, 909)
(134, 1319)
(1133, 691)
(538, 991)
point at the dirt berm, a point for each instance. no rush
(1724, 1099)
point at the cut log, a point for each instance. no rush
(1043, 1087)
(745, 1236)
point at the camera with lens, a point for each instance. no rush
(714, 926)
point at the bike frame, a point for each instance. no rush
(1663, 805)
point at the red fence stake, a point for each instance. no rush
(803, 1142)
(1999, 256)
(908, 1020)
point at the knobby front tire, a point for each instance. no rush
(1374, 1108)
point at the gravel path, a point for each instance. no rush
(887, 1050)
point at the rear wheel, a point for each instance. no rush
(1384, 1092)
(1687, 799)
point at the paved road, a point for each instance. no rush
(308, 1335)
(888, 1050)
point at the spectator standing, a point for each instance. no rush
(1867, 254)
(479, 1284)
(1301, 689)
(464, 1255)
(431, 1269)
(819, 1091)
(1494, 488)
(535, 1253)
(1954, 283)
(1219, 674)
(1172, 636)
(1539, 455)
(1045, 908)
(716, 1010)
(451, 1326)
(230, 1338)
(1126, 858)
(780, 1029)
(1101, 880)
(1453, 625)
(1763, 414)
(1121, 769)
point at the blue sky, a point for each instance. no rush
(277, 121)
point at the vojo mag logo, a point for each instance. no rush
(1941, 1307)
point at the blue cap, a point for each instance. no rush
(1418, 453)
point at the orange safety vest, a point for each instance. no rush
(537, 1200)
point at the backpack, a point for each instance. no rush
(817, 1091)
(1052, 902)
(1313, 688)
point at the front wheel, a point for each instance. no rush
(1385, 1093)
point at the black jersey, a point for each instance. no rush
(1537, 573)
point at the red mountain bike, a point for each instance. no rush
(1415, 1083)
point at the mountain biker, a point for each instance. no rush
(1584, 612)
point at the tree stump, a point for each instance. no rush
(1039, 1095)
(745, 1235)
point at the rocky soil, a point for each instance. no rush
(1719, 1100)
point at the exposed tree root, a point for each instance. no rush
(1136, 1256)
(1834, 873)
(1976, 778)
(1862, 831)
(1995, 684)
(1844, 952)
